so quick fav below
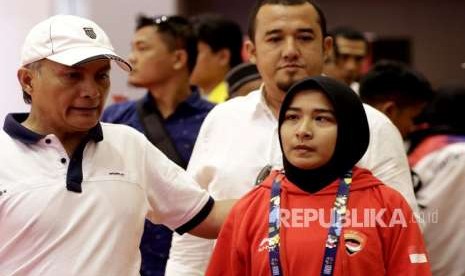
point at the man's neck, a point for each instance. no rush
(70, 141)
(273, 99)
(169, 95)
(207, 88)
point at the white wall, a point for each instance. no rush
(16, 19)
(116, 17)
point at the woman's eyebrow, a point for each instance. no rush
(292, 108)
(323, 110)
(319, 110)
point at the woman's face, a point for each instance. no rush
(309, 130)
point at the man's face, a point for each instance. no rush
(210, 66)
(404, 117)
(151, 59)
(349, 60)
(288, 45)
(69, 99)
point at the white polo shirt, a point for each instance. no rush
(48, 227)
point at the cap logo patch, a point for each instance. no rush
(90, 32)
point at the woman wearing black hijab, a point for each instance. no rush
(321, 215)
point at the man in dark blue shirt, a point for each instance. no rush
(164, 51)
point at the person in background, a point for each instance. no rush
(398, 91)
(385, 156)
(163, 55)
(437, 156)
(74, 192)
(349, 51)
(323, 132)
(239, 138)
(220, 49)
(243, 79)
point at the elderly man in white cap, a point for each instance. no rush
(74, 192)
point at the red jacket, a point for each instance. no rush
(391, 244)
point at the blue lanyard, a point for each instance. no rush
(334, 232)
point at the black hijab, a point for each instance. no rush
(352, 133)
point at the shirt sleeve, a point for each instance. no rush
(386, 157)
(174, 198)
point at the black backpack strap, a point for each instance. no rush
(155, 131)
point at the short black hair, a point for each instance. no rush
(177, 33)
(26, 97)
(34, 66)
(347, 33)
(394, 81)
(445, 112)
(219, 33)
(260, 3)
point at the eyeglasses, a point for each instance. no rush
(160, 19)
(177, 27)
(170, 20)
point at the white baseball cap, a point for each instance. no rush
(69, 40)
